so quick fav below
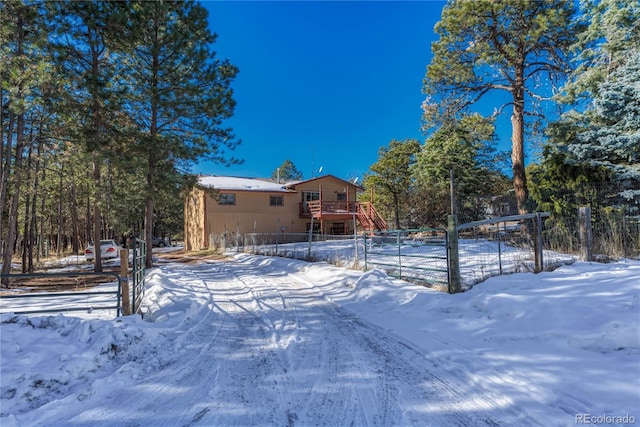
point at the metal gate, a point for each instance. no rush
(139, 261)
(95, 299)
(419, 255)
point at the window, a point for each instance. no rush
(227, 199)
(276, 201)
(342, 197)
(316, 227)
(337, 228)
(308, 196)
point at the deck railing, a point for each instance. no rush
(363, 211)
(320, 207)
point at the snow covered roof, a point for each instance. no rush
(233, 183)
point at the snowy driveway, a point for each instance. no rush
(262, 341)
(264, 347)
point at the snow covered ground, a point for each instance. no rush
(275, 341)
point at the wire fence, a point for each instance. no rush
(614, 235)
(614, 219)
(486, 248)
(346, 250)
(418, 255)
(506, 245)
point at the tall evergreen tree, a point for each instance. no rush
(599, 140)
(287, 171)
(182, 94)
(466, 147)
(505, 45)
(24, 72)
(610, 137)
(609, 31)
(86, 40)
(390, 177)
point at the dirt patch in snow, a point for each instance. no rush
(189, 257)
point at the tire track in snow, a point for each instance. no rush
(262, 347)
(399, 373)
(322, 394)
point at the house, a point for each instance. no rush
(221, 204)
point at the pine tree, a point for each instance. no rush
(87, 40)
(182, 95)
(611, 136)
(391, 179)
(609, 30)
(287, 171)
(466, 147)
(599, 140)
(506, 45)
(25, 72)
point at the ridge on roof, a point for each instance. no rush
(235, 183)
(241, 183)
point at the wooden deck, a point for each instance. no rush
(364, 212)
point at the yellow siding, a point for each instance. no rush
(329, 188)
(252, 211)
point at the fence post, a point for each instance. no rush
(500, 246)
(224, 239)
(277, 231)
(455, 282)
(399, 254)
(310, 239)
(537, 244)
(355, 240)
(586, 236)
(364, 239)
(124, 276)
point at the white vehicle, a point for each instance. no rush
(160, 242)
(108, 249)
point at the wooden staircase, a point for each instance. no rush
(369, 217)
(365, 213)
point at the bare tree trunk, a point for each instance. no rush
(32, 225)
(148, 229)
(148, 220)
(97, 220)
(396, 208)
(25, 226)
(59, 221)
(25, 235)
(88, 222)
(12, 230)
(4, 179)
(40, 233)
(73, 208)
(517, 141)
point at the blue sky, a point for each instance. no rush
(323, 84)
